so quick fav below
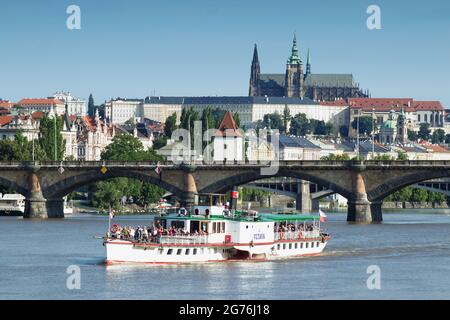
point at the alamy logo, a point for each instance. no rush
(374, 20)
(74, 279)
(374, 280)
(74, 19)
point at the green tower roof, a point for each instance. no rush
(294, 58)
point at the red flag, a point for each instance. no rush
(111, 213)
(323, 216)
(158, 168)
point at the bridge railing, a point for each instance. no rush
(305, 163)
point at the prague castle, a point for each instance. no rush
(297, 82)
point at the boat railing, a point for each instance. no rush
(293, 235)
(184, 239)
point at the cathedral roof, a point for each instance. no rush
(330, 80)
(314, 80)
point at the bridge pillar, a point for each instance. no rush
(376, 211)
(315, 205)
(189, 190)
(303, 199)
(55, 208)
(358, 208)
(35, 203)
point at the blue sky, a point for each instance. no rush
(199, 47)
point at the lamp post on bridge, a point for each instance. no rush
(373, 133)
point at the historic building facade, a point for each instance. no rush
(296, 83)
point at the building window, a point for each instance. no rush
(425, 118)
(418, 118)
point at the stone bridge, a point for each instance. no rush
(363, 183)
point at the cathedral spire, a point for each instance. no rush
(308, 65)
(255, 55)
(255, 72)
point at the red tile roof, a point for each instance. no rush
(39, 101)
(434, 147)
(228, 127)
(37, 115)
(387, 104)
(6, 104)
(335, 103)
(4, 120)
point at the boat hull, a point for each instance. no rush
(122, 251)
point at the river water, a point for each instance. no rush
(411, 249)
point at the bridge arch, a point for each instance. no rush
(14, 186)
(227, 183)
(396, 184)
(65, 186)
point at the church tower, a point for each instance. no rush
(308, 65)
(294, 74)
(255, 72)
(402, 130)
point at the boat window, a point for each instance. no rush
(194, 251)
(169, 251)
(290, 245)
(179, 251)
(187, 252)
(177, 224)
(307, 245)
(215, 250)
(301, 245)
(278, 246)
(284, 246)
(223, 227)
(296, 245)
(317, 244)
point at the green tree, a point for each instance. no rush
(412, 135)
(125, 147)
(438, 136)
(208, 121)
(50, 128)
(273, 121)
(131, 122)
(91, 106)
(402, 156)
(419, 195)
(300, 125)
(237, 119)
(383, 157)
(424, 131)
(159, 142)
(286, 118)
(106, 195)
(334, 157)
(365, 124)
(170, 125)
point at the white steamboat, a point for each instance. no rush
(209, 232)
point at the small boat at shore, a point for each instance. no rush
(210, 232)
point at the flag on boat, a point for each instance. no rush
(158, 168)
(323, 216)
(111, 213)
